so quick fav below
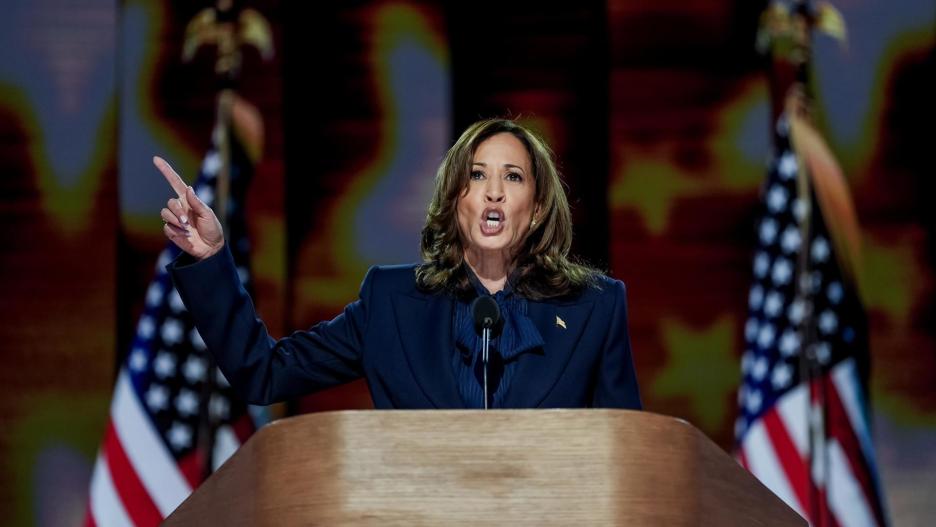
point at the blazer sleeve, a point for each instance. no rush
(617, 381)
(261, 369)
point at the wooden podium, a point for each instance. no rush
(505, 467)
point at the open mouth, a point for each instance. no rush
(492, 221)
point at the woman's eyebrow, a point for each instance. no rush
(506, 165)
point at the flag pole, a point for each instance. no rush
(800, 102)
(793, 89)
(797, 105)
(804, 19)
(228, 27)
(216, 25)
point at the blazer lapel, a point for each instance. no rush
(425, 327)
(561, 327)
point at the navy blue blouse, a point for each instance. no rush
(517, 335)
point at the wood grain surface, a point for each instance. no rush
(531, 467)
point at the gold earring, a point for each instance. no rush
(532, 223)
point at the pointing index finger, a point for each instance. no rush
(175, 181)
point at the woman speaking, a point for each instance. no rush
(495, 316)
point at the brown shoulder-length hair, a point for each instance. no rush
(542, 267)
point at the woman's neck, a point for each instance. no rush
(491, 269)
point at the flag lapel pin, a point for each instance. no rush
(560, 323)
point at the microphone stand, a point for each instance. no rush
(486, 315)
(485, 346)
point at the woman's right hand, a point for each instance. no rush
(188, 222)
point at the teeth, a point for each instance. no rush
(493, 223)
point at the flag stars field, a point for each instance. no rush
(774, 305)
(765, 336)
(138, 360)
(186, 402)
(746, 361)
(796, 312)
(823, 352)
(800, 209)
(751, 328)
(835, 292)
(789, 343)
(171, 331)
(790, 241)
(211, 165)
(761, 365)
(820, 250)
(768, 231)
(828, 322)
(146, 328)
(165, 364)
(755, 297)
(777, 198)
(782, 271)
(157, 397)
(154, 294)
(754, 399)
(194, 369)
(180, 436)
(787, 166)
(761, 265)
(781, 376)
(206, 194)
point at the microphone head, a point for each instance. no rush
(485, 311)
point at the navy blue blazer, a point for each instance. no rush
(401, 340)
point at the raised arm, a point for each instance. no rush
(261, 369)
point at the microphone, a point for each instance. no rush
(486, 312)
(486, 315)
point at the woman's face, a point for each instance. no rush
(494, 212)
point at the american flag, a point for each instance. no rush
(803, 426)
(172, 415)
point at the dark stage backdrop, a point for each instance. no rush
(657, 111)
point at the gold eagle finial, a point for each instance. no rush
(229, 30)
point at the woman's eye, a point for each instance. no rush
(514, 176)
(477, 174)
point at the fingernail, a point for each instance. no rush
(184, 219)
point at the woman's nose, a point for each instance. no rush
(494, 191)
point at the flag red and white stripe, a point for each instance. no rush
(776, 449)
(136, 481)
